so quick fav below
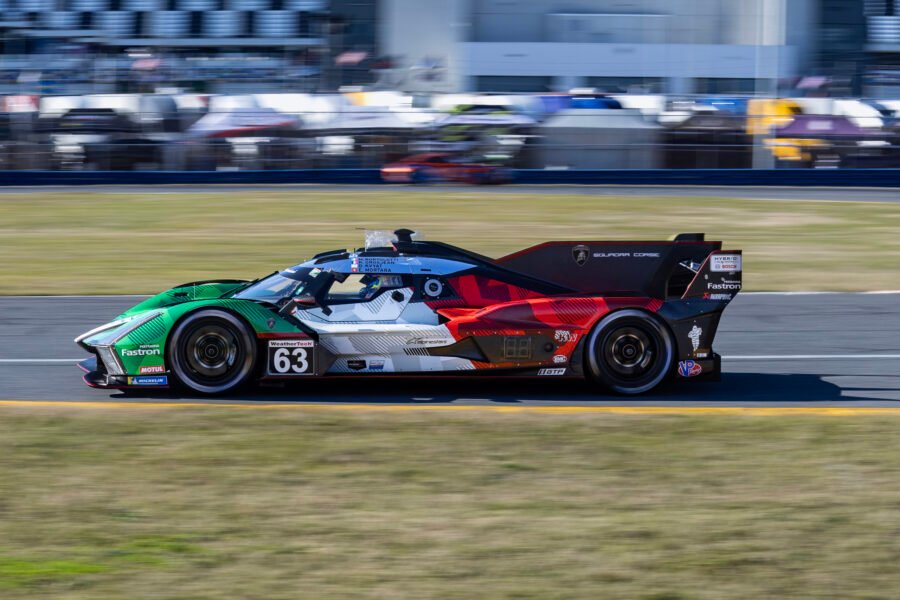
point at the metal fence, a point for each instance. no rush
(103, 140)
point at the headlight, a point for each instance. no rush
(105, 327)
(115, 331)
(109, 358)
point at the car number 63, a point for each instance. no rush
(291, 357)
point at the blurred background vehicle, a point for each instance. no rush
(422, 168)
(297, 84)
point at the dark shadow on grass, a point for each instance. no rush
(734, 389)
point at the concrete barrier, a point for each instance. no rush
(662, 177)
(718, 177)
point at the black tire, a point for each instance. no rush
(629, 352)
(211, 352)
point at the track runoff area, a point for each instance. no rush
(793, 352)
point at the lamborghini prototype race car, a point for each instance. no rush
(626, 315)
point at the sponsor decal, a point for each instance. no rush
(142, 350)
(356, 364)
(580, 254)
(626, 254)
(376, 365)
(152, 369)
(689, 368)
(291, 343)
(560, 359)
(564, 336)
(708, 296)
(354, 263)
(701, 354)
(725, 284)
(694, 335)
(158, 380)
(420, 341)
(291, 357)
(433, 288)
(556, 371)
(725, 263)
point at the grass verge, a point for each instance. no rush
(76, 243)
(212, 503)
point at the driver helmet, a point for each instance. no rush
(371, 285)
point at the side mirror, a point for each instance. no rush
(305, 301)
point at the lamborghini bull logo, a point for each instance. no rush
(581, 254)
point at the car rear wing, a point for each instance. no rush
(656, 269)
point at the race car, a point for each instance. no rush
(625, 315)
(434, 166)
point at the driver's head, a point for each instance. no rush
(371, 283)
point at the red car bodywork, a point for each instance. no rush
(442, 167)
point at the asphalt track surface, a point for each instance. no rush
(780, 350)
(751, 193)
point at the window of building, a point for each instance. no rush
(513, 83)
(726, 85)
(645, 85)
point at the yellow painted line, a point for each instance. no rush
(635, 410)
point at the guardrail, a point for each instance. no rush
(662, 177)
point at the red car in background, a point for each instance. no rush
(434, 166)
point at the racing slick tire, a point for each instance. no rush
(629, 352)
(211, 352)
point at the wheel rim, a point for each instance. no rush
(630, 352)
(212, 351)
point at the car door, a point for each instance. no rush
(369, 325)
(363, 298)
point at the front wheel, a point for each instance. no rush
(211, 352)
(630, 352)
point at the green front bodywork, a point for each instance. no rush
(145, 347)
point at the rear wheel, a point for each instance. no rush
(211, 352)
(630, 352)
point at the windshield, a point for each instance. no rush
(275, 289)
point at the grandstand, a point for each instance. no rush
(78, 46)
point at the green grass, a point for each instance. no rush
(236, 503)
(70, 243)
